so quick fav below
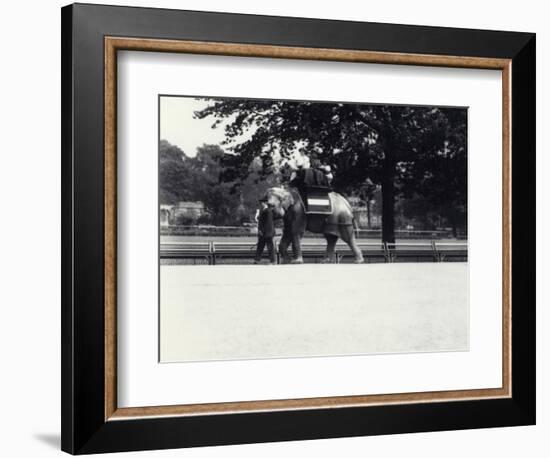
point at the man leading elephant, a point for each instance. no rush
(266, 232)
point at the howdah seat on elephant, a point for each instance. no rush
(314, 188)
(317, 201)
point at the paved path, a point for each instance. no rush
(249, 312)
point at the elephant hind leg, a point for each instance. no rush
(359, 259)
(297, 249)
(331, 244)
(348, 236)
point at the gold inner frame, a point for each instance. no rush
(114, 44)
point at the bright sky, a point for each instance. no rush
(179, 127)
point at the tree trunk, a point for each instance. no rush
(388, 197)
(368, 214)
(453, 220)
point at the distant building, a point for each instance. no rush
(166, 212)
(182, 212)
(188, 210)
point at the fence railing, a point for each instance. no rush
(402, 251)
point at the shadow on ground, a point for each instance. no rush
(51, 439)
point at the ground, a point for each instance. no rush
(249, 312)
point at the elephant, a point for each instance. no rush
(287, 204)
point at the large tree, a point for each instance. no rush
(362, 142)
(173, 171)
(206, 185)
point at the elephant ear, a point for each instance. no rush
(284, 196)
(287, 199)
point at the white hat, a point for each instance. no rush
(301, 161)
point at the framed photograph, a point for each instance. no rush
(284, 228)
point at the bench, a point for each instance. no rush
(451, 251)
(411, 250)
(371, 251)
(189, 250)
(233, 250)
(435, 251)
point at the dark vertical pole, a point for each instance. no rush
(388, 198)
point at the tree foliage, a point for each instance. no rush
(173, 171)
(200, 178)
(207, 186)
(405, 150)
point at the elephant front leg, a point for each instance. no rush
(297, 250)
(283, 248)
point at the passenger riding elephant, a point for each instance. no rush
(287, 204)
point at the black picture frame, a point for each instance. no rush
(84, 427)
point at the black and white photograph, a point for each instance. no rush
(298, 228)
